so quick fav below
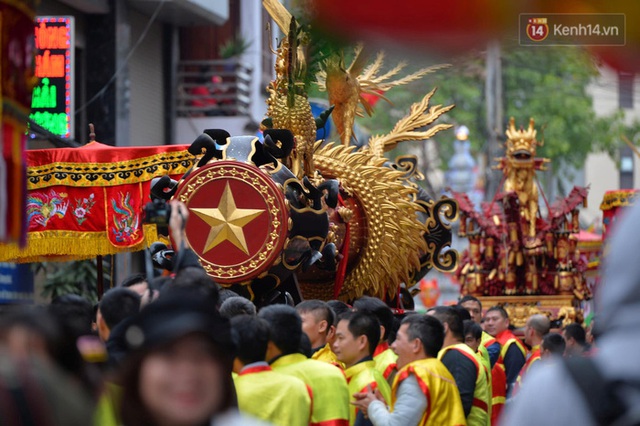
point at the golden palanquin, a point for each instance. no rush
(518, 258)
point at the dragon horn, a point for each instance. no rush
(511, 130)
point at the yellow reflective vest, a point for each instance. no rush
(498, 381)
(506, 338)
(328, 385)
(325, 354)
(534, 356)
(277, 398)
(108, 407)
(483, 357)
(485, 360)
(359, 377)
(484, 353)
(385, 359)
(480, 412)
(444, 406)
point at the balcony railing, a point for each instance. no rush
(213, 88)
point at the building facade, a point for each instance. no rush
(611, 91)
(127, 58)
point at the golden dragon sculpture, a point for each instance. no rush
(388, 240)
(346, 86)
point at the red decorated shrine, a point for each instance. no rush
(516, 257)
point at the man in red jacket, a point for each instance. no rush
(535, 329)
(513, 352)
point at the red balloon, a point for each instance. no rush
(444, 27)
(453, 28)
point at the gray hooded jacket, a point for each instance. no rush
(549, 396)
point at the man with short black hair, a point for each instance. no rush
(74, 312)
(553, 345)
(473, 306)
(473, 339)
(513, 352)
(263, 393)
(473, 336)
(139, 284)
(115, 308)
(237, 305)
(224, 294)
(576, 340)
(511, 360)
(328, 384)
(338, 307)
(423, 392)
(357, 336)
(319, 325)
(194, 278)
(464, 366)
(384, 357)
(489, 343)
(133, 280)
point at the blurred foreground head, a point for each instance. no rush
(179, 368)
(43, 379)
(285, 327)
(618, 294)
(195, 279)
(37, 393)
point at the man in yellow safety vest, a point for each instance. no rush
(423, 391)
(357, 336)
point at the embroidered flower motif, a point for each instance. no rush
(80, 212)
(83, 208)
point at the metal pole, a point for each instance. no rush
(493, 94)
(100, 277)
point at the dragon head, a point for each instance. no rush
(521, 144)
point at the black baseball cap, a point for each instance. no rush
(176, 315)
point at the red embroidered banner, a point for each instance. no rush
(16, 82)
(84, 202)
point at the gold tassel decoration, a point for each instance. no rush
(71, 245)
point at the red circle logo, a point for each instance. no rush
(537, 29)
(238, 220)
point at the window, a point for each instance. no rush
(267, 56)
(625, 90)
(626, 168)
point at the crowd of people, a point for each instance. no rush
(181, 351)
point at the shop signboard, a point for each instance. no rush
(53, 95)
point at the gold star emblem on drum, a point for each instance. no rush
(239, 220)
(227, 222)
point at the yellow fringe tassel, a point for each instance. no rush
(70, 245)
